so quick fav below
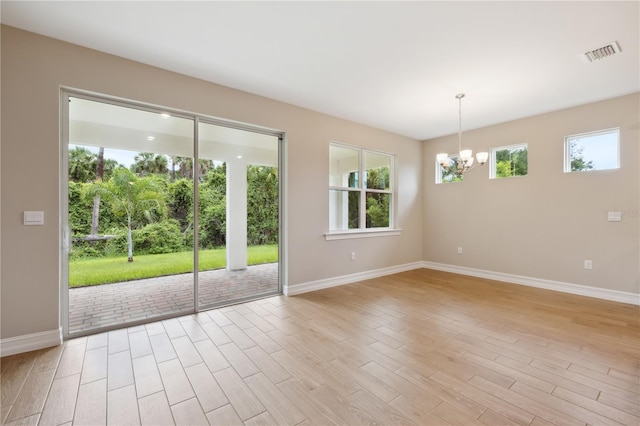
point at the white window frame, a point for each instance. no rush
(439, 172)
(362, 231)
(567, 148)
(493, 163)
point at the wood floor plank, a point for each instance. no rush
(551, 414)
(71, 360)
(262, 419)
(95, 365)
(596, 406)
(147, 376)
(206, 388)
(118, 341)
(276, 403)
(215, 333)
(193, 330)
(140, 344)
(14, 377)
(61, 402)
(162, 347)
(219, 318)
(238, 336)
(238, 319)
(26, 421)
(502, 408)
(258, 322)
(549, 376)
(263, 340)
(418, 410)
(561, 404)
(122, 406)
(32, 396)
(119, 370)
(338, 408)
(378, 409)
(449, 395)
(48, 358)
(270, 367)
(301, 397)
(452, 416)
(238, 360)
(155, 410)
(173, 328)
(189, 412)
(243, 400)
(422, 346)
(91, 406)
(186, 351)
(175, 382)
(225, 415)
(632, 408)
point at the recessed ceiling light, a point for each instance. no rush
(165, 115)
(239, 157)
(151, 138)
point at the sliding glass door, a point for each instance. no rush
(238, 200)
(144, 188)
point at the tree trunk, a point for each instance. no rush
(95, 217)
(129, 239)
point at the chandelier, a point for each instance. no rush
(465, 161)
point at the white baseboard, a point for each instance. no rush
(30, 342)
(292, 290)
(582, 290)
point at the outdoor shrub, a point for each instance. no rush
(160, 237)
(86, 249)
(117, 246)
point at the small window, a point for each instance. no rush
(450, 173)
(360, 189)
(592, 151)
(508, 161)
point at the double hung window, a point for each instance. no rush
(361, 193)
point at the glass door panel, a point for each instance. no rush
(130, 215)
(238, 215)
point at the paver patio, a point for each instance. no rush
(119, 303)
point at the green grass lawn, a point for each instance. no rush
(86, 272)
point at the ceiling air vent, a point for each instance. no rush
(602, 52)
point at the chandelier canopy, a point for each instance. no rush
(465, 161)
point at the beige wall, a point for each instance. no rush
(543, 225)
(34, 68)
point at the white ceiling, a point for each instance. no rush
(392, 65)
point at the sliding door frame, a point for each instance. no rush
(64, 232)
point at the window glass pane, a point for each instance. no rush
(509, 161)
(344, 209)
(592, 151)
(343, 166)
(450, 173)
(376, 170)
(378, 209)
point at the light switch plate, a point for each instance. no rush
(33, 218)
(614, 216)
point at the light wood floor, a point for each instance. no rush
(420, 347)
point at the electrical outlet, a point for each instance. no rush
(588, 264)
(353, 255)
(459, 250)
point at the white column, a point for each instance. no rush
(236, 215)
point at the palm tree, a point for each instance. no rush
(185, 165)
(150, 163)
(129, 195)
(81, 164)
(95, 217)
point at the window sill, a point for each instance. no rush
(345, 235)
